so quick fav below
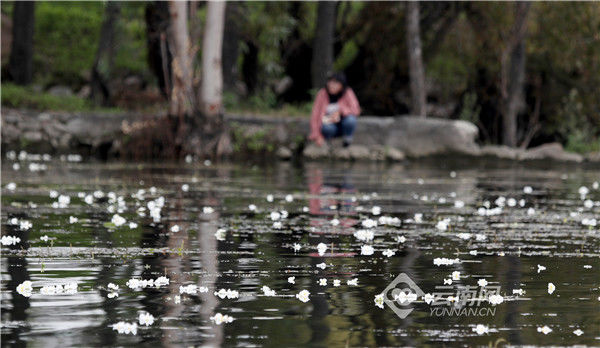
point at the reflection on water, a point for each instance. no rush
(330, 202)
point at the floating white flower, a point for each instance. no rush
(369, 223)
(337, 282)
(464, 235)
(551, 288)
(227, 293)
(292, 280)
(540, 268)
(53, 194)
(352, 282)
(482, 282)
(376, 210)
(303, 296)
(481, 329)
(519, 292)
(418, 218)
(578, 332)
(118, 220)
(589, 222)
(389, 252)
(112, 294)
(44, 238)
(459, 204)
(364, 235)
(495, 299)
(252, 207)
(277, 225)
(448, 281)
(161, 281)
(428, 298)
(583, 191)
(25, 288)
(321, 248)
(379, 300)
(456, 275)
(175, 228)
(275, 215)
(268, 291)
(530, 211)
(177, 299)
(221, 318)
(63, 201)
(185, 187)
(73, 219)
(323, 282)
(208, 210)
(10, 240)
(221, 234)
(125, 328)
(146, 319)
(289, 198)
(334, 222)
(401, 239)
(544, 329)
(442, 225)
(322, 265)
(133, 225)
(444, 261)
(89, 199)
(296, 247)
(366, 250)
(269, 198)
(473, 252)
(11, 186)
(25, 225)
(112, 286)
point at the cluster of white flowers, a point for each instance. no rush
(495, 299)
(364, 235)
(442, 225)
(113, 290)
(367, 250)
(118, 220)
(135, 283)
(444, 261)
(192, 289)
(10, 240)
(389, 221)
(544, 329)
(125, 328)
(481, 329)
(369, 223)
(389, 252)
(58, 289)
(268, 291)
(589, 222)
(146, 319)
(322, 248)
(219, 318)
(25, 288)
(155, 207)
(227, 293)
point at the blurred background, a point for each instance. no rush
(537, 63)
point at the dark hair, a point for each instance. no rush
(339, 77)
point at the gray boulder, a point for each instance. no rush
(553, 151)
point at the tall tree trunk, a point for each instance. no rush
(211, 90)
(102, 68)
(415, 60)
(20, 65)
(159, 55)
(322, 58)
(231, 39)
(182, 100)
(513, 75)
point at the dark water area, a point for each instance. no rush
(517, 226)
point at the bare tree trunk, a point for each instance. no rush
(322, 58)
(104, 55)
(159, 55)
(231, 39)
(20, 65)
(182, 100)
(512, 79)
(211, 90)
(416, 71)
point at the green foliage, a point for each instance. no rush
(470, 109)
(23, 97)
(581, 137)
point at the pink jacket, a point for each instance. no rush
(348, 106)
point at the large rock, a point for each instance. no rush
(553, 151)
(501, 151)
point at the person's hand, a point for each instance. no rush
(335, 117)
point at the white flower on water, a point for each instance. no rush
(89, 199)
(252, 207)
(73, 219)
(519, 292)
(190, 289)
(292, 280)
(44, 238)
(405, 297)
(10, 240)
(277, 225)
(379, 300)
(63, 201)
(175, 228)
(482, 282)
(366, 250)
(161, 281)
(401, 239)
(551, 288)
(321, 248)
(11, 186)
(112, 286)
(323, 282)
(459, 204)
(219, 318)
(530, 211)
(418, 218)
(334, 222)
(275, 215)
(303, 296)
(227, 293)
(322, 265)
(146, 319)
(269, 198)
(289, 198)
(448, 281)
(25, 225)
(125, 328)
(369, 223)
(296, 247)
(364, 235)
(473, 252)
(208, 210)
(481, 329)
(118, 220)
(444, 261)
(428, 298)
(53, 194)
(540, 268)
(25, 288)
(352, 282)
(589, 222)
(185, 187)
(456, 275)
(495, 299)
(544, 329)
(221, 234)
(389, 252)
(376, 210)
(578, 332)
(112, 294)
(583, 191)
(527, 189)
(133, 225)
(337, 282)
(268, 291)
(464, 235)
(442, 225)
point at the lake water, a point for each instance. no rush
(221, 241)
